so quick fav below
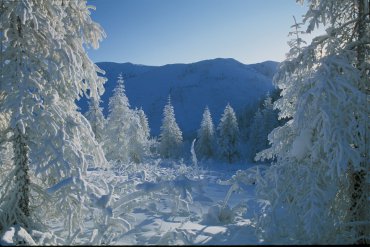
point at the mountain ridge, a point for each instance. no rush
(212, 83)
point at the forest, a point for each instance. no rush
(291, 168)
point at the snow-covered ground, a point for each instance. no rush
(170, 203)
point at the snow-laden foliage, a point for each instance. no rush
(116, 141)
(264, 121)
(144, 123)
(148, 185)
(221, 213)
(171, 136)
(138, 135)
(228, 135)
(321, 177)
(96, 119)
(127, 131)
(44, 70)
(206, 136)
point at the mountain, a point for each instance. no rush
(192, 87)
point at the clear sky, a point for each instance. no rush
(158, 32)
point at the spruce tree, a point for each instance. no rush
(96, 119)
(228, 135)
(116, 141)
(144, 123)
(321, 152)
(206, 139)
(171, 136)
(138, 134)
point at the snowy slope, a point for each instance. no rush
(192, 86)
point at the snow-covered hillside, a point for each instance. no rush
(192, 86)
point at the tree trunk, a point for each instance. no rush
(359, 209)
(22, 180)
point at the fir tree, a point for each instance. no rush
(116, 141)
(256, 134)
(171, 135)
(144, 123)
(138, 134)
(205, 143)
(228, 137)
(321, 152)
(96, 119)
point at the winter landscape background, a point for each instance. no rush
(214, 152)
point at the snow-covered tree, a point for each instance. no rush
(228, 135)
(144, 123)
(264, 121)
(138, 134)
(116, 139)
(256, 135)
(319, 177)
(44, 70)
(171, 135)
(270, 116)
(96, 119)
(206, 136)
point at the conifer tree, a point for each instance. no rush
(228, 135)
(263, 123)
(144, 123)
(96, 119)
(256, 135)
(206, 139)
(116, 141)
(321, 151)
(171, 135)
(138, 134)
(44, 70)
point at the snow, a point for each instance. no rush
(200, 217)
(302, 144)
(16, 235)
(192, 86)
(162, 202)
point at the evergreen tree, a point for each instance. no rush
(205, 143)
(171, 135)
(138, 134)
(320, 152)
(96, 119)
(116, 141)
(144, 123)
(256, 135)
(263, 123)
(44, 70)
(228, 138)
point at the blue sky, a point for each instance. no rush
(158, 32)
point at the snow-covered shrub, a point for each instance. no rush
(221, 213)
(147, 184)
